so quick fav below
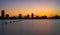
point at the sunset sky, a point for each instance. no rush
(24, 7)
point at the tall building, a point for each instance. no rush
(20, 16)
(32, 15)
(2, 13)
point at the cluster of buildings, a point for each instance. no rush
(6, 16)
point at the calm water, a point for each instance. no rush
(30, 27)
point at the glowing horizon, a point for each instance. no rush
(24, 7)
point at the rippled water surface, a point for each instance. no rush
(30, 27)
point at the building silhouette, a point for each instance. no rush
(20, 16)
(43, 17)
(32, 15)
(56, 17)
(2, 13)
(3, 16)
(37, 17)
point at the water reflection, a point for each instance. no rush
(30, 27)
(2, 29)
(5, 24)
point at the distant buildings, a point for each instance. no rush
(44, 17)
(3, 16)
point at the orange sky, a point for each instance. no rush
(39, 8)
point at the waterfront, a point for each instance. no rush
(30, 27)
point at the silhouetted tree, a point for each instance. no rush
(27, 16)
(7, 15)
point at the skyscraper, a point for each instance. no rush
(20, 16)
(32, 15)
(2, 13)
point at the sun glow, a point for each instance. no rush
(39, 8)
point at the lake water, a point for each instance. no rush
(30, 27)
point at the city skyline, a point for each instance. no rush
(3, 14)
(32, 16)
(24, 7)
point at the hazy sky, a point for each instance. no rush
(38, 7)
